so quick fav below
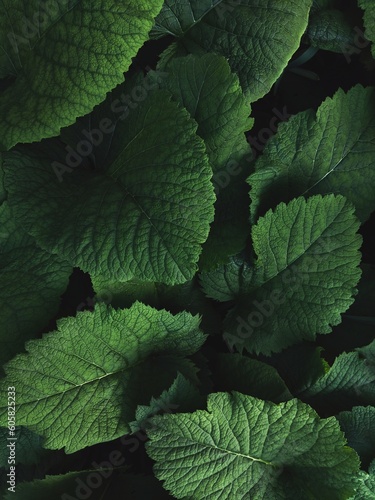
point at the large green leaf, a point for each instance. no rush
(243, 447)
(143, 211)
(65, 57)
(330, 151)
(80, 385)
(304, 277)
(205, 86)
(31, 284)
(350, 381)
(257, 37)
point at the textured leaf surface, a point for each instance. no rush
(65, 56)
(31, 284)
(258, 38)
(29, 448)
(350, 381)
(243, 447)
(369, 20)
(227, 282)
(234, 372)
(331, 151)
(366, 486)
(205, 86)
(299, 366)
(143, 212)
(176, 18)
(358, 426)
(81, 384)
(304, 277)
(329, 30)
(182, 396)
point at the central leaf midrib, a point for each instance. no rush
(230, 452)
(289, 264)
(369, 124)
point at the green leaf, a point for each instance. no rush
(182, 396)
(32, 282)
(80, 385)
(357, 328)
(3, 194)
(185, 297)
(299, 366)
(205, 86)
(358, 426)
(227, 282)
(65, 58)
(257, 38)
(249, 376)
(304, 277)
(330, 151)
(176, 18)
(350, 381)
(369, 21)
(329, 30)
(366, 485)
(28, 447)
(142, 212)
(243, 447)
(322, 4)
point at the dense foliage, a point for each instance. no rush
(187, 271)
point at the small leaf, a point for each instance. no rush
(350, 381)
(249, 376)
(358, 426)
(182, 396)
(329, 29)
